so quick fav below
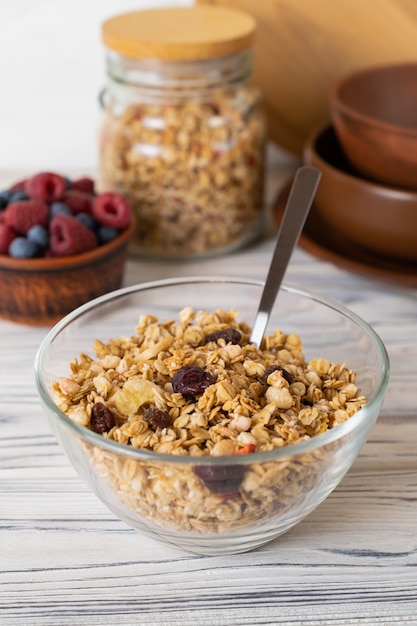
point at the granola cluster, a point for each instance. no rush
(193, 171)
(197, 387)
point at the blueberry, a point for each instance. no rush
(18, 196)
(39, 235)
(68, 182)
(60, 208)
(106, 234)
(22, 248)
(88, 220)
(5, 195)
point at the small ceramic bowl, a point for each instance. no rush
(38, 292)
(379, 218)
(374, 112)
(250, 498)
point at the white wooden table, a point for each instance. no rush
(66, 560)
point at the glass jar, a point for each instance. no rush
(183, 133)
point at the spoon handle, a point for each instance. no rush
(298, 205)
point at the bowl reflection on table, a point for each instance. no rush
(378, 217)
(162, 495)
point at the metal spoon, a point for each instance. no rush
(298, 205)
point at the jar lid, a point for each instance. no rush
(177, 33)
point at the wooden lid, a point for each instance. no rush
(179, 33)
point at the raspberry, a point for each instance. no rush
(78, 201)
(111, 209)
(21, 216)
(20, 185)
(7, 235)
(83, 184)
(69, 236)
(46, 186)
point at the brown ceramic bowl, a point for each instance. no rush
(377, 217)
(39, 292)
(374, 112)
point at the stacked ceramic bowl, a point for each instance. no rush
(368, 159)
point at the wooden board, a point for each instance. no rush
(303, 46)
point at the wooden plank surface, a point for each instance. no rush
(66, 560)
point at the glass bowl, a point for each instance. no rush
(262, 494)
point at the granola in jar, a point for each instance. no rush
(197, 387)
(183, 132)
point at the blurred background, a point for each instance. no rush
(52, 70)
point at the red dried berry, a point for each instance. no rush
(112, 209)
(78, 201)
(7, 234)
(69, 236)
(190, 380)
(84, 184)
(21, 216)
(46, 186)
(248, 449)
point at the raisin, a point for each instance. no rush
(157, 418)
(102, 419)
(190, 380)
(230, 335)
(225, 479)
(284, 372)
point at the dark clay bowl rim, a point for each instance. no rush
(337, 103)
(68, 262)
(368, 186)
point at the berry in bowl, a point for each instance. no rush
(61, 244)
(190, 433)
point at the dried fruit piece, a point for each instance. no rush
(190, 380)
(230, 335)
(21, 216)
(274, 368)
(102, 418)
(68, 236)
(221, 479)
(112, 209)
(248, 449)
(135, 393)
(157, 418)
(46, 186)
